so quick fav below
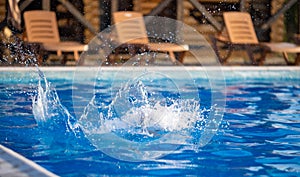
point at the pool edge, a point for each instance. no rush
(224, 68)
(16, 164)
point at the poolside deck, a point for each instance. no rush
(13, 164)
(239, 58)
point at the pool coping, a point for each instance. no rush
(191, 68)
(14, 164)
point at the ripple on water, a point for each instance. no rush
(232, 153)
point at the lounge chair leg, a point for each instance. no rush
(172, 56)
(180, 56)
(63, 60)
(59, 53)
(38, 52)
(297, 59)
(262, 57)
(152, 57)
(286, 57)
(250, 55)
(261, 61)
(222, 59)
(76, 56)
(215, 48)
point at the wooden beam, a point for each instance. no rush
(179, 10)
(282, 10)
(24, 4)
(46, 5)
(243, 5)
(78, 15)
(179, 16)
(207, 15)
(114, 6)
(298, 30)
(160, 7)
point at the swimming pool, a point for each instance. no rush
(258, 134)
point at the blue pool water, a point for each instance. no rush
(258, 135)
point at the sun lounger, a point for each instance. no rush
(135, 34)
(239, 33)
(41, 27)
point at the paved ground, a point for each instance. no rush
(241, 59)
(13, 164)
(237, 59)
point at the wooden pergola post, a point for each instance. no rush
(160, 7)
(297, 36)
(281, 11)
(179, 10)
(78, 15)
(114, 6)
(243, 5)
(46, 5)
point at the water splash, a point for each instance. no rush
(144, 120)
(17, 52)
(57, 125)
(137, 126)
(133, 109)
(134, 126)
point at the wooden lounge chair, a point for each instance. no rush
(41, 27)
(131, 31)
(285, 48)
(239, 33)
